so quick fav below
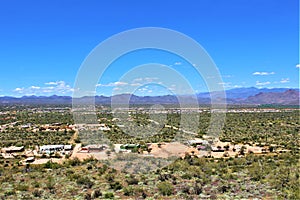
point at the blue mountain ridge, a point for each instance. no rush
(251, 95)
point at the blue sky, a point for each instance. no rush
(43, 43)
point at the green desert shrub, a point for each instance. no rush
(96, 193)
(109, 195)
(165, 188)
(85, 181)
(37, 193)
(128, 191)
(115, 185)
(22, 187)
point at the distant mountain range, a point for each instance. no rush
(252, 95)
(242, 93)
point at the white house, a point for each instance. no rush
(54, 148)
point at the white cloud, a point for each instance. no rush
(51, 83)
(178, 63)
(227, 76)
(58, 87)
(237, 86)
(136, 84)
(263, 73)
(116, 88)
(120, 83)
(172, 87)
(35, 87)
(225, 84)
(285, 80)
(298, 65)
(55, 83)
(142, 81)
(258, 83)
(18, 89)
(131, 85)
(113, 84)
(137, 80)
(142, 89)
(150, 79)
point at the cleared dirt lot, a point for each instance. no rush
(101, 155)
(168, 149)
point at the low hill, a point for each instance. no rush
(288, 97)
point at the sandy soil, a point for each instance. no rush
(45, 160)
(168, 149)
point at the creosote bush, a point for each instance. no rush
(165, 188)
